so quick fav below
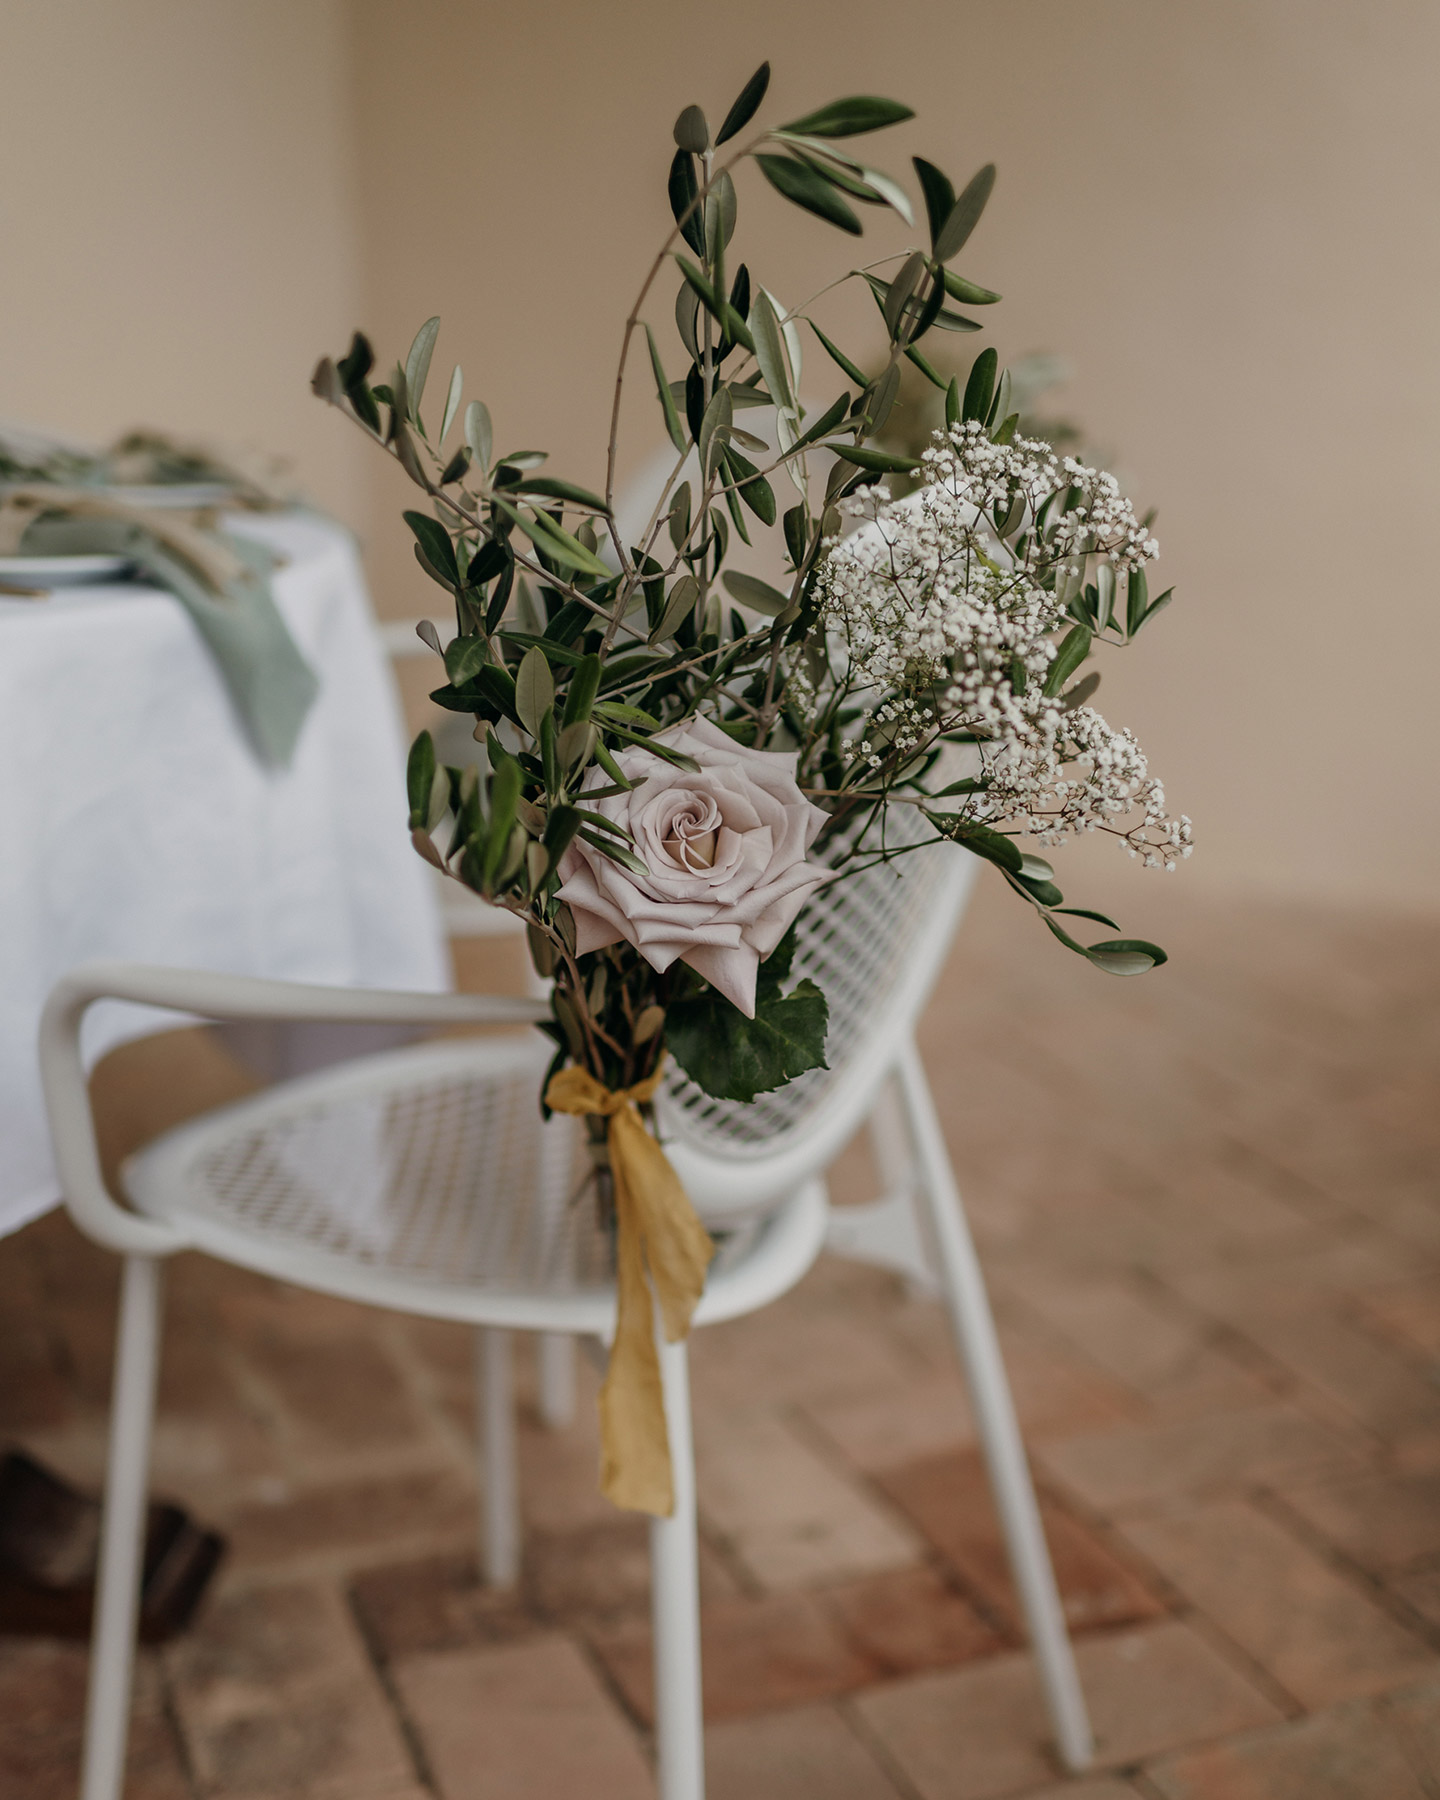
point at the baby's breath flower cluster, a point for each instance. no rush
(942, 611)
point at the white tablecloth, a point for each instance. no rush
(136, 822)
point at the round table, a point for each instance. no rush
(137, 823)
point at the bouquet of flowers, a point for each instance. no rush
(674, 754)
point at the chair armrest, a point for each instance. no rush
(214, 996)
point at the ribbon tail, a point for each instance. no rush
(635, 1469)
(678, 1248)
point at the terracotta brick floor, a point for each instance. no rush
(1207, 1202)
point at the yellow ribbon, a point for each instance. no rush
(656, 1229)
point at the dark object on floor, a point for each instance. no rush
(49, 1544)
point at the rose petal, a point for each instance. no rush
(733, 972)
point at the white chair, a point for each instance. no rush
(420, 1180)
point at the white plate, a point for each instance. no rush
(173, 494)
(164, 495)
(37, 573)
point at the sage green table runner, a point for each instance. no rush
(222, 581)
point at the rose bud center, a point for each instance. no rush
(690, 840)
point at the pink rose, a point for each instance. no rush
(724, 853)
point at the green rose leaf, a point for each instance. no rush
(731, 1057)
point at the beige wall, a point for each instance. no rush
(1222, 215)
(178, 227)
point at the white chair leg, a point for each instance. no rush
(117, 1604)
(1000, 1440)
(499, 1474)
(556, 1357)
(675, 1603)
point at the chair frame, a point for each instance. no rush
(796, 1225)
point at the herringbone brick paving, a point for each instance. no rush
(1207, 1203)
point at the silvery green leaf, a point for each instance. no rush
(1000, 405)
(980, 386)
(429, 636)
(557, 543)
(720, 209)
(714, 430)
(880, 461)
(968, 291)
(673, 426)
(678, 607)
(692, 132)
(883, 399)
(743, 395)
(417, 365)
(758, 595)
(839, 358)
(420, 776)
(771, 351)
(901, 289)
(1126, 956)
(1137, 595)
(325, 383)
(1077, 696)
(452, 402)
(399, 396)
(1105, 584)
(464, 657)
(534, 689)
(478, 434)
(525, 459)
(1035, 868)
(965, 214)
(872, 185)
(576, 744)
(939, 195)
(747, 440)
(650, 1020)
(616, 851)
(1074, 648)
(687, 319)
(680, 514)
(1069, 579)
(790, 331)
(787, 436)
(890, 191)
(439, 800)
(805, 186)
(847, 118)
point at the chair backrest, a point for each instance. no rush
(873, 942)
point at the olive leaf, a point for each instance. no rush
(849, 117)
(758, 595)
(805, 186)
(417, 366)
(692, 132)
(679, 606)
(478, 434)
(452, 402)
(965, 214)
(746, 105)
(534, 689)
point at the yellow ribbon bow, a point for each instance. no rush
(656, 1229)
